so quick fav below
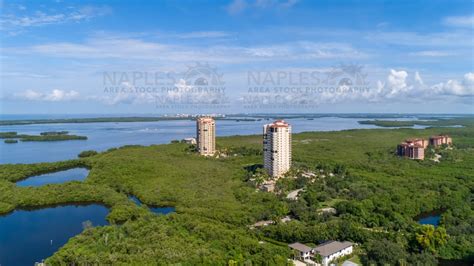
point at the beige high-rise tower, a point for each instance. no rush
(277, 148)
(206, 136)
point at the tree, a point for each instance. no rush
(87, 153)
(431, 239)
(383, 252)
(318, 258)
(340, 169)
(422, 259)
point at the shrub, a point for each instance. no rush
(87, 153)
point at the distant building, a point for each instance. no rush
(421, 142)
(303, 252)
(268, 187)
(412, 148)
(277, 148)
(206, 136)
(328, 210)
(262, 223)
(333, 250)
(189, 141)
(293, 195)
(440, 140)
(329, 251)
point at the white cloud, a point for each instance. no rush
(134, 48)
(459, 21)
(23, 74)
(53, 96)
(11, 22)
(431, 53)
(238, 6)
(418, 78)
(457, 38)
(204, 34)
(399, 87)
(457, 88)
(396, 81)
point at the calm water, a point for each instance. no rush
(157, 210)
(102, 136)
(25, 236)
(433, 220)
(75, 174)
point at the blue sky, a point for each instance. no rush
(414, 56)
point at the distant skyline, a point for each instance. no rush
(58, 57)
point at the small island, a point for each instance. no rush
(433, 122)
(13, 137)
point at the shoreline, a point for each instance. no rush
(231, 117)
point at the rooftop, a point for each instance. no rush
(414, 140)
(332, 247)
(410, 144)
(439, 137)
(205, 119)
(300, 247)
(278, 123)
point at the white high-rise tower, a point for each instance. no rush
(277, 148)
(206, 136)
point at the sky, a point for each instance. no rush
(236, 56)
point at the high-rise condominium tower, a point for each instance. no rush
(277, 148)
(206, 136)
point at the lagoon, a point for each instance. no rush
(157, 210)
(431, 219)
(29, 236)
(75, 174)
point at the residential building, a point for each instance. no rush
(328, 252)
(262, 223)
(302, 252)
(417, 141)
(268, 186)
(413, 149)
(440, 140)
(191, 141)
(327, 210)
(277, 148)
(333, 250)
(206, 136)
(293, 195)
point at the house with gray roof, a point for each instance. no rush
(328, 251)
(333, 250)
(303, 252)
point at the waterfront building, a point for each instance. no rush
(206, 136)
(329, 252)
(332, 250)
(277, 148)
(417, 141)
(413, 149)
(440, 140)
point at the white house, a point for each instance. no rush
(303, 252)
(332, 250)
(189, 141)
